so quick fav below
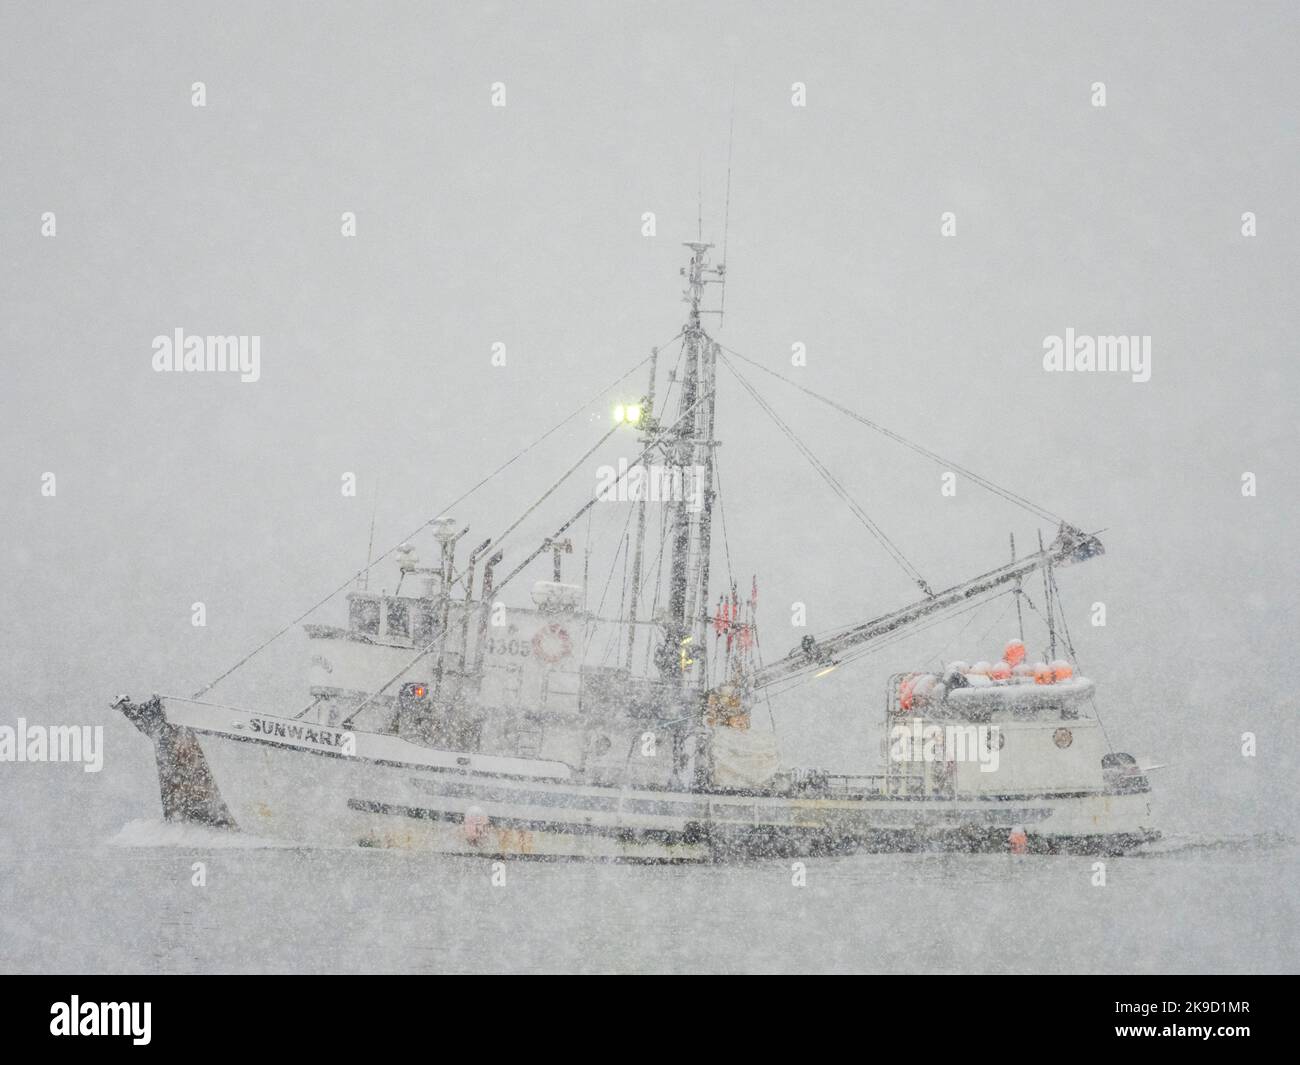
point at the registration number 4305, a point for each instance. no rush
(518, 648)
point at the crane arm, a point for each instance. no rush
(1071, 545)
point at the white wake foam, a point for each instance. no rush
(145, 833)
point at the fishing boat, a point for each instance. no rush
(448, 715)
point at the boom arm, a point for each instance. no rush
(1070, 545)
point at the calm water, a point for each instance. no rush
(127, 904)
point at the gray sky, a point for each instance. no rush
(522, 225)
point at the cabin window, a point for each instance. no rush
(422, 623)
(399, 617)
(363, 616)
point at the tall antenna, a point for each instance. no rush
(699, 216)
(370, 547)
(726, 213)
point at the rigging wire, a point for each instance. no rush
(983, 482)
(609, 580)
(586, 569)
(767, 693)
(726, 212)
(555, 487)
(659, 582)
(731, 575)
(942, 656)
(616, 631)
(1065, 625)
(1069, 646)
(901, 634)
(805, 675)
(656, 574)
(372, 563)
(651, 446)
(722, 512)
(689, 412)
(836, 486)
(672, 374)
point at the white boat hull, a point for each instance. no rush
(319, 786)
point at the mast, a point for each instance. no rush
(699, 599)
(691, 450)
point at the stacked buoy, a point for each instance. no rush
(917, 689)
(1011, 668)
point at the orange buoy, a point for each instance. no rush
(1062, 670)
(1014, 652)
(1043, 673)
(999, 671)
